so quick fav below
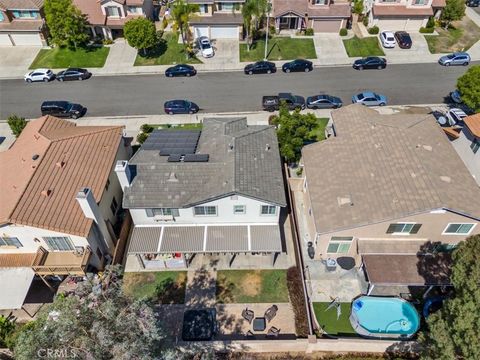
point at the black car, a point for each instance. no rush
(473, 3)
(180, 107)
(404, 40)
(63, 109)
(323, 102)
(180, 70)
(371, 62)
(260, 67)
(298, 65)
(73, 74)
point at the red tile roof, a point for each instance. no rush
(473, 124)
(401, 10)
(302, 7)
(92, 9)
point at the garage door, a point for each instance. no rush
(400, 24)
(324, 25)
(224, 32)
(5, 40)
(27, 39)
(201, 31)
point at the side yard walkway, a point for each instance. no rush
(201, 288)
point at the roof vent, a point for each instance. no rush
(172, 177)
(46, 193)
(60, 164)
(35, 157)
(427, 147)
(344, 200)
(378, 146)
(413, 175)
(267, 147)
(230, 147)
(447, 179)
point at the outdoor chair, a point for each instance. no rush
(271, 312)
(248, 315)
(273, 331)
(249, 334)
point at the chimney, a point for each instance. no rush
(92, 211)
(123, 173)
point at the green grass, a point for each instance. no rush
(63, 58)
(319, 131)
(252, 286)
(279, 48)
(368, 46)
(328, 319)
(165, 287)
(168, 52)
(460, 36)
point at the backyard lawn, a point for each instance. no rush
(168, 52)
(368, 46)
(252, 286)
(460, 36)
(328, 319)
(319, 131)
(57, 58)
(279, 48)
(165, 287)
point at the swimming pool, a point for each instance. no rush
(384, 317)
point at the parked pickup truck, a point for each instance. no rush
(272, 103)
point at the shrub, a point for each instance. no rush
(430, 22)
(373, 30)
(309, 32)
(107, 41)
(365, 21)
(295, 291)
(343, 32)
(146, 128)
(142, 137)
(424, 30)
(7, 327)
(17, 124)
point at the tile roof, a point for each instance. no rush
(42, 194)
(439, 3)
(384, 167)
(302, 7)
(22, 25)
(401, 10)
(92, 9)
(218, 19)
(120, 21)
(253, 169)
(473, 124)
(16, 260)
(21, 4)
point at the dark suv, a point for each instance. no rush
(63, 109)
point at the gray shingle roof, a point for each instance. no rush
(251, 168)
(383, 167)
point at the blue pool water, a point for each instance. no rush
(379, 315)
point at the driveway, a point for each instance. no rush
(227, 56)
(418, 53)
(15, 60)
(330, 50)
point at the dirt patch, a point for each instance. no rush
(252, 284)
(132, 279)
(459, 37)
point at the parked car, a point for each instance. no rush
(371, 62)
(458, 58)
(73, 74)
(39, 75)
(456, 97)
(404, 40)
(323, 102)
(473, 3)
(272, 103)
(456, 116)
(387, 39)
(260, 67)
(297, 65)
(369, 98)
(180, 107)
(63, 109)
(205, 47)
(180, 70)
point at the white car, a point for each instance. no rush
(388, 39)
(455, 116)
(39, 75)
(205, 47)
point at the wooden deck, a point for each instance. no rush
(60, 262)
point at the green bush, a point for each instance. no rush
(343, 32)
(309, 32)
(365, 21)
(7, 327)
(373, 30)
(431, 22)
(142, 137)
(146, 128)
(426, 30)
(107, 41)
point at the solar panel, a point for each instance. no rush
(173, 141)
(174, 158)
(196, 158)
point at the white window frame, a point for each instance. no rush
(138, 10)
(205, 210)
(162, 212)
(66, 238)
(404, 233)
(242, 207)
(4, 242)
(340, 242)
(458, 234)
(113, 16)
(268, 214)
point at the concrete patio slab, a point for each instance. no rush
(330, 50)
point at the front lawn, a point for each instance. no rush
(328, 319)
(168, 52)
(165, 287)
(319, 131)
(279, 48)
(252, 286)
(368, 46)
(57, 58)
(460, 36)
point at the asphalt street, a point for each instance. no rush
(229, 91)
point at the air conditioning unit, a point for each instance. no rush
(161, 218)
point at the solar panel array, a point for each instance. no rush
(168, 142)
(196, 158)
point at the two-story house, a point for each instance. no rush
(59, 200)
(214, 192)
(217, 19)
(320, 15)
(107, 17)
(21, 23)
(387, 190)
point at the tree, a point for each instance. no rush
(181, 14)
(253, 10)
(357, 7)
(66, 23)
(140, 34)
(454, 331)
(98, 321)
(469, 86)
(293, 130)
(17, 124)
(453, 10)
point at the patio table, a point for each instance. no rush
(259, 324)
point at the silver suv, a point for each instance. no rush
(39, 75)
(458, 58)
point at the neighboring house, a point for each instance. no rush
(59, 200)
(320, 15)
(107, 17)
(408, 15)
(218, 19)
(215, 192)
(21, 23)
(386, 188)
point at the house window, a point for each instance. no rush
(458, 229)
(135, 10)
(59, 243)
(162, 212)
(24, 14)
(107, 184)
(10, 241)
(403, 228)
(205, 210)
(112, 11)
(339, 244)
(475, 145)
(1, 16)
(418, 2)
(268, 210)
(239, 209)
(225, 6)
(114, 206)
(320, 2)
(204, 9)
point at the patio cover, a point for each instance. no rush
(411, 270)
(14, 285)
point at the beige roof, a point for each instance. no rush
(21, 4)
(473, 124)
(22, 25)
(400, 10)
(302, 7)
(42, 192)
(92, 9)
(384, 167)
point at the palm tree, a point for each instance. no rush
(181, 14)
(252, 12)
